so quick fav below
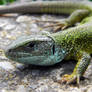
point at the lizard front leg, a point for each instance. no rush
(75, 17)
(81, 66)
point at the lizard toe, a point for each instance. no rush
(68, 79)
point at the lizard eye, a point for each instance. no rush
(31, 44)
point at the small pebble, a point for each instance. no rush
(21, 88)
(23, 19)
(3, 23)
(9, 27)
(89, 89)
(6, 65)
(6, 90)
(43, 88)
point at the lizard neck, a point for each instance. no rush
(77, 38)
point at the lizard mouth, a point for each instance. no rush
(15, 55)
(26, 58)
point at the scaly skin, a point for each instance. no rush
(54, 7)
(78, 42)
(70, 43)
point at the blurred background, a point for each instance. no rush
(10, 1)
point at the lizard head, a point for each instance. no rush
(36, 50)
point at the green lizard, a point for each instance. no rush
(44, 50)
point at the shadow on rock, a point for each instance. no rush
(45, 71)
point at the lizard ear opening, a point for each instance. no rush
(53, 49)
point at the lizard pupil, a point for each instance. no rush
(31, 45)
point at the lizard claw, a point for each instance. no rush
(68, 79)
(60, 27)
(57, 25)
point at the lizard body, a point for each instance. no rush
(75, 42)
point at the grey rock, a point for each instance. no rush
(23, 19)
(9, 27)
(4, 90)
(44, 88)
(89, 89)
(7, 66)
(21, 88)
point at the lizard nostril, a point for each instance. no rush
(8, 51)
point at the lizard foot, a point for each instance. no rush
(57, 25)
(68, 79)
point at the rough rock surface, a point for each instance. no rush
(14, 77)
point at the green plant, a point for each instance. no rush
(6, 1)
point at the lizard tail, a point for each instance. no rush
(52, 7)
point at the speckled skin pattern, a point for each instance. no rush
(75, 42)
